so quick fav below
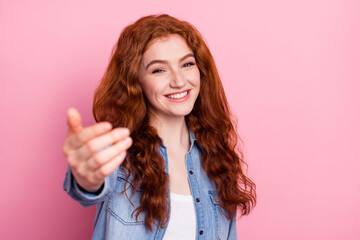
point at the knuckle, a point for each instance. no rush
(98, 160)
(81, 170)
(71, 164)
(80, 137)
(66, 147)
(91, 146)
(71, 160)
(102, 172)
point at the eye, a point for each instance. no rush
(158, 70)
(189, 64)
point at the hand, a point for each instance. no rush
(88, 165)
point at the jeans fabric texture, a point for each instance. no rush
(114, 218)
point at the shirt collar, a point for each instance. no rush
(193, 140)
(192, 137)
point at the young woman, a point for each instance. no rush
(162, 162)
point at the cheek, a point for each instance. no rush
(196, 78)
(148, 92)
(146, 89)
(151, 90)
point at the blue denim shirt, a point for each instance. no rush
(114, 219)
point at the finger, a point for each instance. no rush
(110, 166)
(94, 145)
(76, 141)
(106, 155)
(73, 121)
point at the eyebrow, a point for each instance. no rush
(164, 61)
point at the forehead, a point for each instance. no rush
(164, 48)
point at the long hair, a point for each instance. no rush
(120, 100)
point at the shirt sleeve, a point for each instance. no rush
(87, 199)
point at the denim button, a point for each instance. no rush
(198, 199)
(201, 232)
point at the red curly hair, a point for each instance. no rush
(120, 100)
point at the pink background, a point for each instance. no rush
(291, 71)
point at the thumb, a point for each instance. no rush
(73, 121)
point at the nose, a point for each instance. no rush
(177, 80)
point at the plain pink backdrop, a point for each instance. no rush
(291, 73)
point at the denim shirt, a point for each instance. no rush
(114, 219)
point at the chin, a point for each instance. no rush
(183, 112)
(180, 113)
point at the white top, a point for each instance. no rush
(182, 222)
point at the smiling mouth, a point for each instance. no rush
(178, 95)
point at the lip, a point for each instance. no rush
(177, 92)
(177, 100)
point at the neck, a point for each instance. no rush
(173, 132)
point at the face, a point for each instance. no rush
(170, 77)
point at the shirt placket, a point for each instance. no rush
(195, 192)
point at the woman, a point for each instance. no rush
(169, 168)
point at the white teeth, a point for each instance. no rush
(179, 95)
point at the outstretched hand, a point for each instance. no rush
(82, 148)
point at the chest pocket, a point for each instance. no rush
(221, 222)
(119, 205)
